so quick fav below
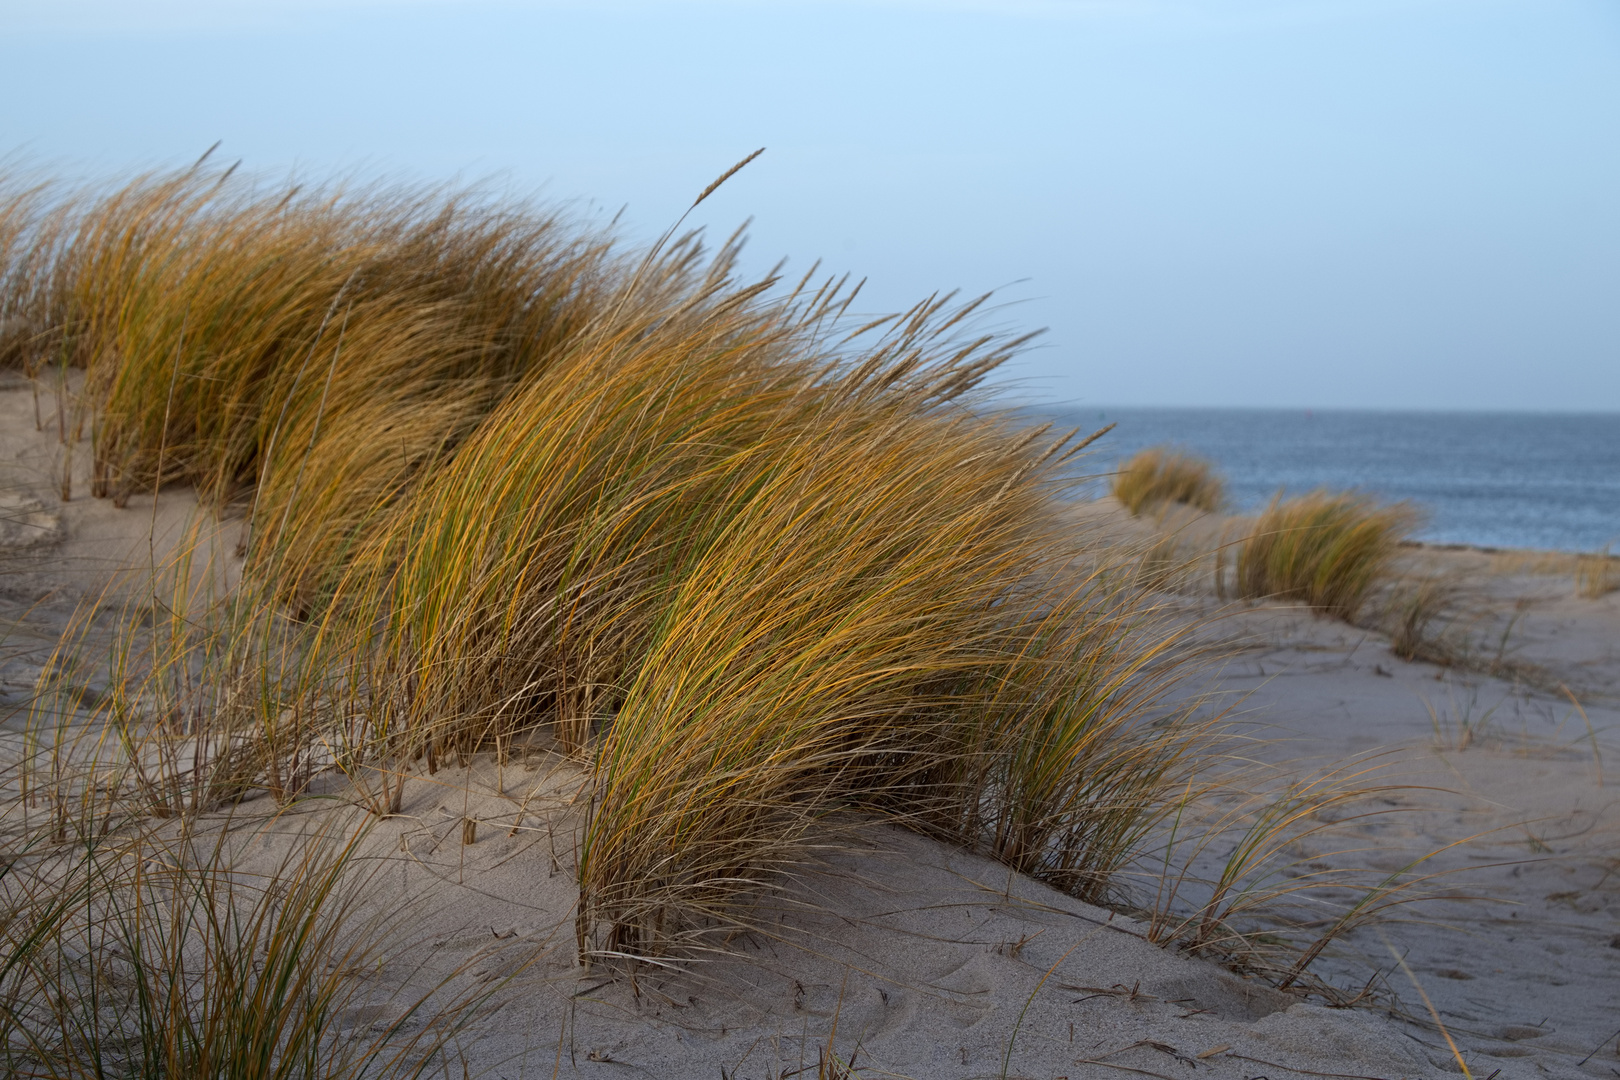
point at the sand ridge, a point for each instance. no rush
(934, 962)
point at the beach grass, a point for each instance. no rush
(1421, 617)
(149, 954)
(1269, 868)
(753, 563)
(1324, 549)
(1161, 474)
(1596, 574)
(474, 475)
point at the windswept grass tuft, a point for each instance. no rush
(1161, 474)
(307, 350)
(1324, 549)
(150, 956)
(723, 564)
(1597, 574)
(751, 563)
(1420, 618)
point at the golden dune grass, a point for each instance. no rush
(148, 956)
(1596, 574)
(754, 565)
(1161, 474)
(1324, 549)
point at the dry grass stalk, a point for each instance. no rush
(1324, 549)
(1160, 475)
(1188, 551)
(1274, 902)
(1596, 574)
(147, 955)
(1415, 607)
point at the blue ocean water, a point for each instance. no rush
(1536, 480)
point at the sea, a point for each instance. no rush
(1508, 480)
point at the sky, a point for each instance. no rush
(1302, 204)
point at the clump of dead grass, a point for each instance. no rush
(1161, 474)
(1324, 549)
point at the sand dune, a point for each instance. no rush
(921, 960)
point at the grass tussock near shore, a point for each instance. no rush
(1596, 575)
(149, 955)
(1159, 475)
(754, 564)
(1324, 549)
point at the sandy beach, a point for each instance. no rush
(913, 958)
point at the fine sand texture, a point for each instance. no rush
(1530, 971)
(917, 959)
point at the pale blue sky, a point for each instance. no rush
(1324, 203)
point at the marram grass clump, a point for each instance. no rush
(1161, 475)
(1325, 549)
(307, 351)
(752, 564)
(148, 954)
(1596, 574)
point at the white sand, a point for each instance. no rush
(938, 963)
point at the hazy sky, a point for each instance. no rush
(1325, 203)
